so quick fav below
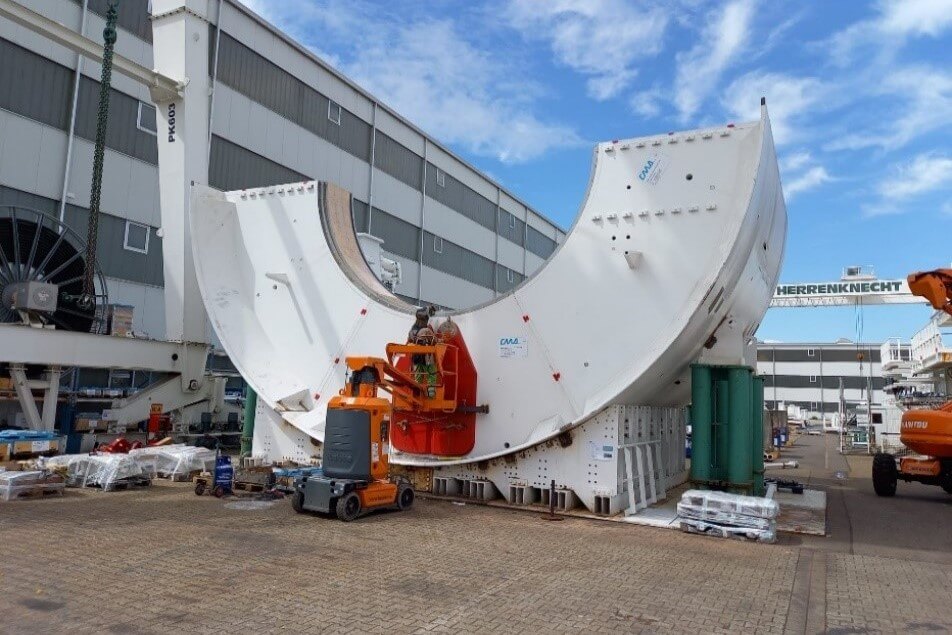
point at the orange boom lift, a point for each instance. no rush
(927, 432)
(432, 384)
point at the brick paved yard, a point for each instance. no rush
(163, 560)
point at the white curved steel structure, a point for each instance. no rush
(678, 244)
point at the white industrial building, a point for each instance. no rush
(279, 114)
(809, 375)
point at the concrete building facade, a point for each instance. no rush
(279, 114)
(809, 375)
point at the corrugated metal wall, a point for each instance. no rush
(40, 89)
(398, 161)
(257, 78)
(33, 86)
(122, 132)
(133, 15)
(114, 259)
(232, 167)
(459, 197)
(448, 257)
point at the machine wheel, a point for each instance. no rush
(348, 507)
(219, 491)
(885, 474)
(405, 496)
(297, 502)
(946, 482)
(199, 488)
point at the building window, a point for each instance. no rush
(809, 352)
(333, 112)
(137, 237)
(813, 405)
(512, 221)
(438, 244)
(510, 275)
(440, 177)
(145, 121)
(812, 379)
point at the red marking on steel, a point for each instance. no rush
(730, 125)
(556, 376)
(525, 318)
(363, 311)
(337, 360)
(317, 395)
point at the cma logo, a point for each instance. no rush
(508, 341)
(920, 425)
(171, 119)
(645, 170)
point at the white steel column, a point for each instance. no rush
(25, 395)
(180, 49)
(50, 396)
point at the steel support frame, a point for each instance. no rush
(36, 419)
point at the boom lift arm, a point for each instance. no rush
(935, 286)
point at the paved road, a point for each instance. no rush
(165, 561)
(916, 524)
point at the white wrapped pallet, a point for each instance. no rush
(728, 515)
(14, 485)
(731, 503)
(174, 461)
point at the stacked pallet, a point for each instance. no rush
(105, 471)
(728, 515)
(30, 484)
(175, 462)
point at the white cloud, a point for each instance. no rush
(812, 178)
(789, 99)
(795, 161)
(601, 39)
(920, 101)
(700, 69)
(896, 22)
(431, 72)
(647, 103)
(925, 174)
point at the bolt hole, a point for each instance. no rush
(765, 246)
(585, 364)
(627, 187)
(689, 176)
(275, 287)
(613, 238)
(628, 237)
(506, 444)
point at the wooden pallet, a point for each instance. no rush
(247, 486)
(125, 484)
(179, 477)
(38, 492)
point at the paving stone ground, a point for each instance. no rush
(161, 560)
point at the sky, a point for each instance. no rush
(859, 95)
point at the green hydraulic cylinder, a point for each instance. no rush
(248, 426)
(722, 418)
(757, 448)
(740, 430)
(701, 417)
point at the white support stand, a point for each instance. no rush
(24, 389)
(645, 454)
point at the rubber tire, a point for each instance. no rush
(218, 492)
(885, 474)
(199, 489)
(405, 497)
(297, 502)
(348, 507)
